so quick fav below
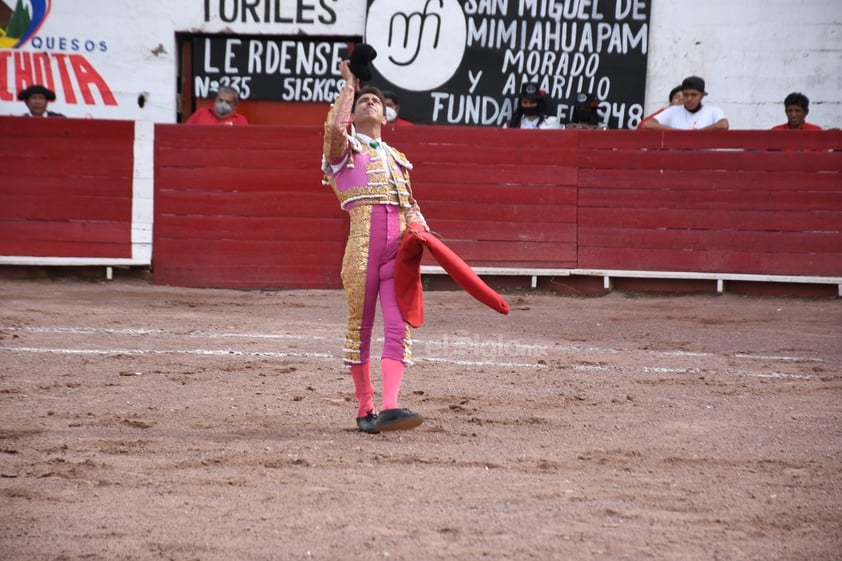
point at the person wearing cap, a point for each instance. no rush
(371, 180)
(692, 114)
(37, 97)
(393, 110)
(223, 112)
(585, 113)
(676, 97)
(531, 112)
(796, 106)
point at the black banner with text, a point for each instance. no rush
(460, 62)
(269, 68)
(465, 61)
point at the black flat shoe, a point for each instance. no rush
(368, 423)
(397, 419)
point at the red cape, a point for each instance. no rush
(408, 286)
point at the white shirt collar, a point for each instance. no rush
(368, 140)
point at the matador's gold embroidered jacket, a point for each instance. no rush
(356, 171)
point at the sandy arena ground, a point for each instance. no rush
(142, 422)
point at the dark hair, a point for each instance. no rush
(229, 89)
(369, 89)
(799, 99)
(389, 94)
(675, 90)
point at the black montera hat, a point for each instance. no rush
(37, 89)
(361, 58)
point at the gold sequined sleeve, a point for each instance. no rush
(336, 125)
(413, 213)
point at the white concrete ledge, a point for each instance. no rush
(608, 274)
(72, 261)
(107, 262)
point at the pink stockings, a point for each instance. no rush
(368, 274)
(392, 372)
(361, 374)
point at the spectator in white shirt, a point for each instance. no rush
(692, 115)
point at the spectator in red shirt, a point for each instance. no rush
(393, 109)
(224, 111)
(797, 106)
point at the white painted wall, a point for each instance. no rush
(751, 53)
(140, 47)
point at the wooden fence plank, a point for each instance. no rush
(682, 218)
(245, 206)
(67, 188)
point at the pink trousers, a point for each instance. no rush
(368, 273)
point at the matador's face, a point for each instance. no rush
(369, 107)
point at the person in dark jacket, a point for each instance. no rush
(531, 111)
(37, 97)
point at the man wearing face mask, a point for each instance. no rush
(223, 112)
(392, 109)
(531, 110)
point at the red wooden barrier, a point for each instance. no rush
(244, 207)
(717, 201)
(502, 198)
(66, 188)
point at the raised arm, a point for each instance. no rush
(339, 116)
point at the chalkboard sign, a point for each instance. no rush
(270, 67)
(464, 61)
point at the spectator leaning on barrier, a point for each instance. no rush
(37, 97)
(531, 111)
(223, 112)
(676, 97)
(585, 113)
(693, 114)
(797, 106)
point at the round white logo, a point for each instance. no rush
(419, 43)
